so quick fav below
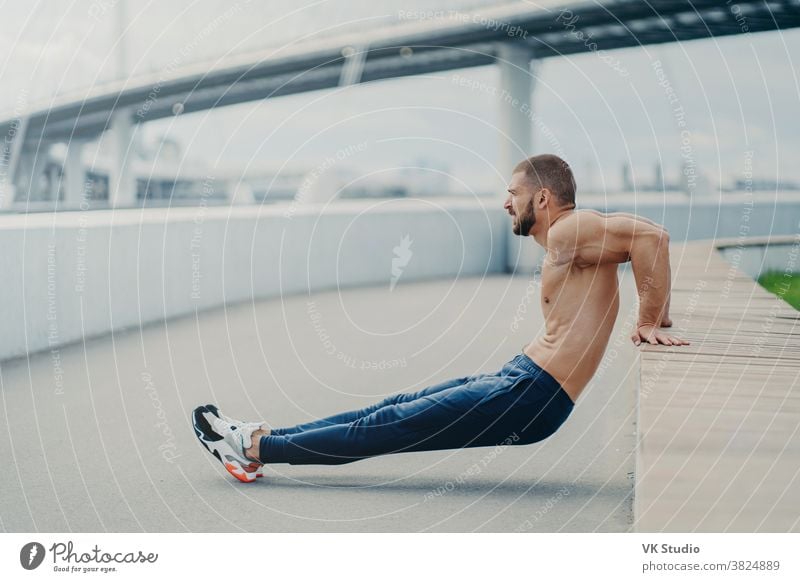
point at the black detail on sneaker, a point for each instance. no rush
(201, 426)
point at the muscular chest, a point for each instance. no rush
(553, 279)
(573, 289)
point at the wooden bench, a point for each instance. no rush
(718, 421)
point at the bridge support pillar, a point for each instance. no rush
(10, 154)
(54, 176)
(121, 179)
(516, 89)
(29, 169)
(8, 192)
(517, 70)
(73, 178)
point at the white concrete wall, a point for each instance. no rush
(758, 259)
(78, 274)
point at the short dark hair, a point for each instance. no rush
(553, 173)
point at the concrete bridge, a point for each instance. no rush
(514, 36)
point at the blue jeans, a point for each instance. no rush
(519, 404)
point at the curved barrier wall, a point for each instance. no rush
(73, 275)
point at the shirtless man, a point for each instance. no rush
(532, 395)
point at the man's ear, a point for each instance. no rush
(541, 197)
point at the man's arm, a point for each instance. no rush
(665, 319)
(652, 272)
(591, 238)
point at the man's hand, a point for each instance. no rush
(652, 335)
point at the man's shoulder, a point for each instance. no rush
(576, 224)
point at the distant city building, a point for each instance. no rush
(658, 179)
(659, 184)
(627, 182)
(764, 184)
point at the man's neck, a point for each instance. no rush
(547, 224)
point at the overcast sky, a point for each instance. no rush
(740, 94)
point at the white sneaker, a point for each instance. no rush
(227, 442)
(232, 421)
(252, 426)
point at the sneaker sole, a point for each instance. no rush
(219, 448)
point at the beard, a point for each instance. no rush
(525, 221)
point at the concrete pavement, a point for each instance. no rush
(97, 435)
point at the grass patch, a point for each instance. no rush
(785, 286)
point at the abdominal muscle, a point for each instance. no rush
(578, 323)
